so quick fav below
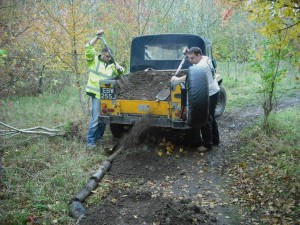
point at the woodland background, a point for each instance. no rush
(43, 76)
(42, 42)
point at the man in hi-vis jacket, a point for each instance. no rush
(101, 67)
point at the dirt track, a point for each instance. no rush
(183, 187)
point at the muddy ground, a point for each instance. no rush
(177, 185)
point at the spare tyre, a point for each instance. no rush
(197, 96)
(221, 102)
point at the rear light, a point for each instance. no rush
(177, 114)
(104, 109)
(110, 110)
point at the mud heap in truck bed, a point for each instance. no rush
(144, 85)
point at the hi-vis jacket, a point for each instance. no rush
(98, 70)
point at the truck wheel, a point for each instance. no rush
(197, 96)
(118, 130)
(221, 102)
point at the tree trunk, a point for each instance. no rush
(40, 84)
(78, 83)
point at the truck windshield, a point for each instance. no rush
(164, 52)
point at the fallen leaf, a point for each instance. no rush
(160, 153)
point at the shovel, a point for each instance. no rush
(123, 81)
(110, 53)
(165, 92)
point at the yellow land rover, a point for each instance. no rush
(176, 105)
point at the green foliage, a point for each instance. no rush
(266, 62)
(49, 38)
(277, 18)
(233, 39)
(2, 52)
(245, 88)
(240, 84)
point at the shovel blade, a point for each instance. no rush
(121, 83)
(126, 81)
(163, 94)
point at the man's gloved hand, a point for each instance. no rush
(99, 34)
(174, 78)
(119, 68)
(185, 50)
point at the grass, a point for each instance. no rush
(42, 177)
(45, 110)
(265, 171)
(243, 87)
(42, 174)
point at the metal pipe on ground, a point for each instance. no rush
(76, 208)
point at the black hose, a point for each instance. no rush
(76, 208)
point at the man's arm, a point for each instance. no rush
(175, 78)
(90, 51)
(183, 78)
(99, 34)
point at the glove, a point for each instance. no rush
(185, 50)
(100, 34)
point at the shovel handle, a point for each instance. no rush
(108, 48)
(111, 56)
(180, 65)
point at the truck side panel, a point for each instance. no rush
(121, 106)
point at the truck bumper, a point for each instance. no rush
(155, 121)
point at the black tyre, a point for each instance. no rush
(221, 102)
(197, 96)
(118, 130)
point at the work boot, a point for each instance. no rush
(203, 149)
(91, 146)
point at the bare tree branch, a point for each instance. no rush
(148, 17)
(10, 6)
(34, 130)
(167, 12)
(56, 20)
(289, 26)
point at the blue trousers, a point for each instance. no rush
(96, 129)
